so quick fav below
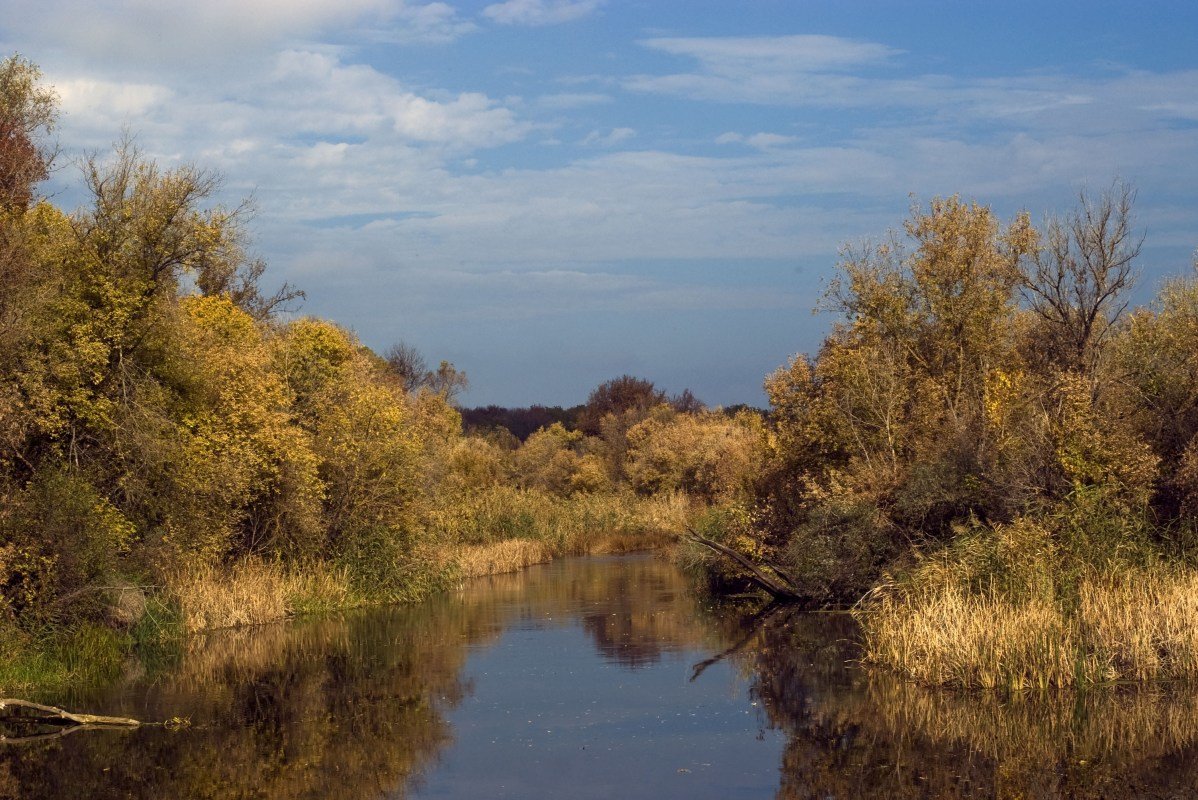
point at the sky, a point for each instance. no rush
(552, 193)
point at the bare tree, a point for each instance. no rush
(1077, 280)
(408, 365)
(686, 403)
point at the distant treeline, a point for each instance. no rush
(520, 422)
(523, 422)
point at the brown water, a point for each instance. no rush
(587, 678)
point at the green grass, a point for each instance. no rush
(80, 655)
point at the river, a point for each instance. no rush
(601, 677)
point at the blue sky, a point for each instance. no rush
(550, 193)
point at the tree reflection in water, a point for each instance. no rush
(851, 733)
(356, 706)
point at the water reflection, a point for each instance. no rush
(856, 734)
(418, 701)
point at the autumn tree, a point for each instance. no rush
(28, 110)
(1156, 362)
(708, 455)
(618, 396)
(27, 115)
(888, 432)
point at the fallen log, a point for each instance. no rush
(781, 592)
(24, 712)
(49, 713)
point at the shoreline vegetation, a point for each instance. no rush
(992, 459)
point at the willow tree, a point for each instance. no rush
(887, 436)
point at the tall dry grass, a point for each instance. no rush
(497, 558)
(494, 531)
(950, 637)
(1135, 625)
(254, 592)
(1140, 625)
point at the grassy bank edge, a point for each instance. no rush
(491, 533)
(1036, 626)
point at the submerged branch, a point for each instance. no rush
(10, 711)
(778, 591)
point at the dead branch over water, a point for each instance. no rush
(36, 714)
(784, 591)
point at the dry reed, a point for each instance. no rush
(254, 593)
(1138, 625)
(497, 558)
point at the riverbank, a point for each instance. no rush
(1019, 607)
(496, 531)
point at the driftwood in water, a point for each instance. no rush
(782, 590)
(42, 715)
(50, 713)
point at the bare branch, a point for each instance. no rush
(1075, 282)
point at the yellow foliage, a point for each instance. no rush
(475, 463)
(1096, 450)
(708, 455)
(548, 459)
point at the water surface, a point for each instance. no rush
(587, 678)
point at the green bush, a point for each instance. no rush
(64, 543)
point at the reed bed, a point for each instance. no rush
(496, 558)
(1135, 625)
(248, 593)
(255, 593)
(504, 529)
(491, 532)
(1141, 626)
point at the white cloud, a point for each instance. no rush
(90, 97)
(317, 93)
(775, 70)
(433, 23)
(609, 139)
(323, 155)
(745, 55)
(177, 36)
(470, 120)
(540, 12)
(761, 141)
(828, 72)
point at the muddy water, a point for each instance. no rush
(587, 678)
